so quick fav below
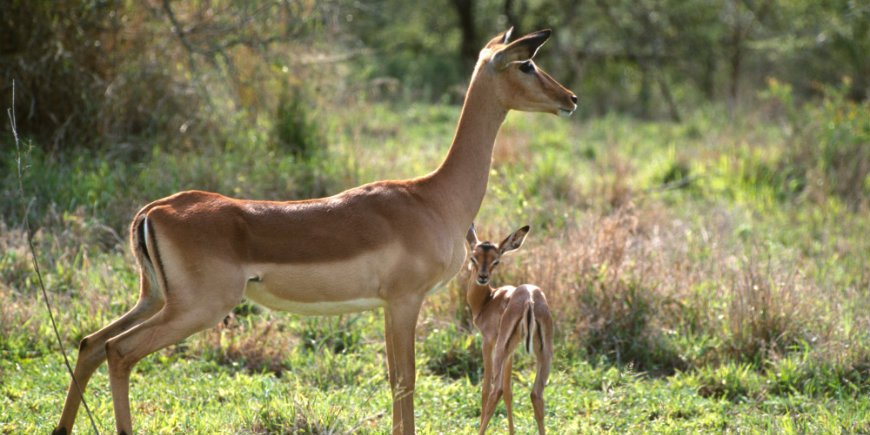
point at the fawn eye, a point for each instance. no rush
(527, 67)
(495, 263)
(473, 260)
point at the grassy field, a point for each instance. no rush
(706, 276)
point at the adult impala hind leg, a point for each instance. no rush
(185, 312)
(92, 349)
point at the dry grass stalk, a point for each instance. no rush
(625, 285)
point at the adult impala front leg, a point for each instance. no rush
(400, 326)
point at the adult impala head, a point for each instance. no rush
(519, 83)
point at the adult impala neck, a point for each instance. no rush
(463, 175)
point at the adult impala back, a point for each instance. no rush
(385, 244)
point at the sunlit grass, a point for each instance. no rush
(692, 291)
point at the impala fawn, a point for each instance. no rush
(506, 316)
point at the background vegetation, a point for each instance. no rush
(700, 228)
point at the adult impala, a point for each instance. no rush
(384, 244)
(507, 316)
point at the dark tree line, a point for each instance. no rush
(115, 70)
(671, 53)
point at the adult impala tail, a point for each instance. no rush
(384, 244)
(507, 316)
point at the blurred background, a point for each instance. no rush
(107, 73)
(700, 226)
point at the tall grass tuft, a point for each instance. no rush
(257, 346)
(302, 418)
(619, 304)
(766, 315)
(454, 352)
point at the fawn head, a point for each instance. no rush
(485, 256)
(519, 83)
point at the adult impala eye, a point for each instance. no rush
(527, 67)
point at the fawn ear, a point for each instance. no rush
(520, 50)
(471, 236)
(513, 241)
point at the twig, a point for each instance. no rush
(334, 58)
(180, 33)
(676, 184)
(11, 113)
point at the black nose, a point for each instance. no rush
(574, 99)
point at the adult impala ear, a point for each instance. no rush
(513, 241)
(522, 49)
(471, 236)
(500, 39)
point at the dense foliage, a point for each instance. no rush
(110, 72)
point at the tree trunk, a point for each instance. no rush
(644, 95)
(665, 89)
(736, 61)
(708, 81)
(469, 45)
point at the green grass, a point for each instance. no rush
(696, 287)
(172, 394)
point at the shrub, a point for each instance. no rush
(248, 344)
(83, 79)
(295, 130)
(454, 353)
(115, 76)
(303, 418)
(621, 325)
(337, 334)
(603, 286)
(731, 381)
(830, 152)
(765, 314)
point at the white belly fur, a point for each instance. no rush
(337, 287)
(315, 308)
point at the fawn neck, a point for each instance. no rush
(477, 295)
